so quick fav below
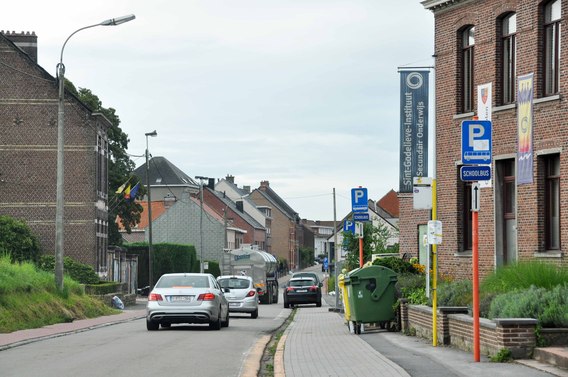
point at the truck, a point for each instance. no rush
(261, 266)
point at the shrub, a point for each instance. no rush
(455, 293)
(413, 288)
(213, 268)
(524, 275)
(550, 307)
(396, 264)
(82, 273)
(17, 239)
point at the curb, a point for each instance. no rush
(251, 365)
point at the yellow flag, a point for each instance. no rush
(121, 188)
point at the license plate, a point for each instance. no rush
(233, 304)
(181, 298)
(301, 290)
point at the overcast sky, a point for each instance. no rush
(302, 93)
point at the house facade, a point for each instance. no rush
(286, 230)
(28, 129)
(506, 59)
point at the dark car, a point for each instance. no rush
(312, 275)
(302, 290)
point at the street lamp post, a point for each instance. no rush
(60, 148)
(201, 222)
(149, 204)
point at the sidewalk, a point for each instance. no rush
(318, 343)
(18, 338)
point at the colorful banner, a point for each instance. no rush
(525, 129)
(413, 127)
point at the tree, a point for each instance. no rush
(120, 168)
(17, 240)
(306, 256)
(374, 242)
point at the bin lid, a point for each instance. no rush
(372, 271)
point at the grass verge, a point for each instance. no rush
(267, 360)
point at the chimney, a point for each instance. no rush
(230, 178)
(264, 184)
(27, 42)
(211, 183)
(246, 189)
(239, 204)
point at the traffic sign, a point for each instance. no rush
(475, 197)
(361, 216)
(475, 173)
(359, 201)
(349, 226)
(476, 142)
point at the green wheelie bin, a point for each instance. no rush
(371, 292)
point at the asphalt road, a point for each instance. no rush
(128, 349)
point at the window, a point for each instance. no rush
(552, 202)
(509, 57)
(468, 41)
(466, 217)
(551, 47)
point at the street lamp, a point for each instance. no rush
(60, 148)
(149, 203)
(201, 223)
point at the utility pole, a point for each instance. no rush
(335, 250)
(201, 178)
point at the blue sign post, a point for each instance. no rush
(476, 142)
(359, 201)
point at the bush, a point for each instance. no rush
(455, 293)
(213, 269)
(103, 288)
(17, 240)
(82, 273)
(550, 307)
(524, 275)
(413, 288)
(396, 264)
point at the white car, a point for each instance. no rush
(187, 298)
(241, 294)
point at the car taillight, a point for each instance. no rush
(155, 297)
(251, 293)
(289, 289)
(206, 297)
(313, 288)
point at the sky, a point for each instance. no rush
(301, 93)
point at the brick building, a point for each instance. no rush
(516, 47)
(28, 144)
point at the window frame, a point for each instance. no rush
(467, 44)
(552, 233)
(508, 59)
(551, 49)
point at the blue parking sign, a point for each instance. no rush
(476, 142)
(359, 201)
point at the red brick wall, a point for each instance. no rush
(549, 132)
(28, 123)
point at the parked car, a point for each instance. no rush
(242, 296)
(302, 290)
(187, 298)
(312, 275)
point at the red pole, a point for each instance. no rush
(360, 252)
(475, 246)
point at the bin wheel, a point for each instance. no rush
(357, 327)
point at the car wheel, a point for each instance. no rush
(216, 325)
(254, 314)
(286, 305)
(318, 303)
(152, 326)
(225, 323)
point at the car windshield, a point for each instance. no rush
(301, 283)
(305, 275)
(234, 283)
(183, 281)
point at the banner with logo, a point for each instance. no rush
(413, 127)
(525, 85)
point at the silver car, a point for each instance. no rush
(242, 296)
(187, 298)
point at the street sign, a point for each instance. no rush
(361, 216)
(349, 226)
(475, 197)
(434, 232)
(475, 173)
(359, 201)
(476, 142)
(359, 230)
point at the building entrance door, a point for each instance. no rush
(506, 210)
